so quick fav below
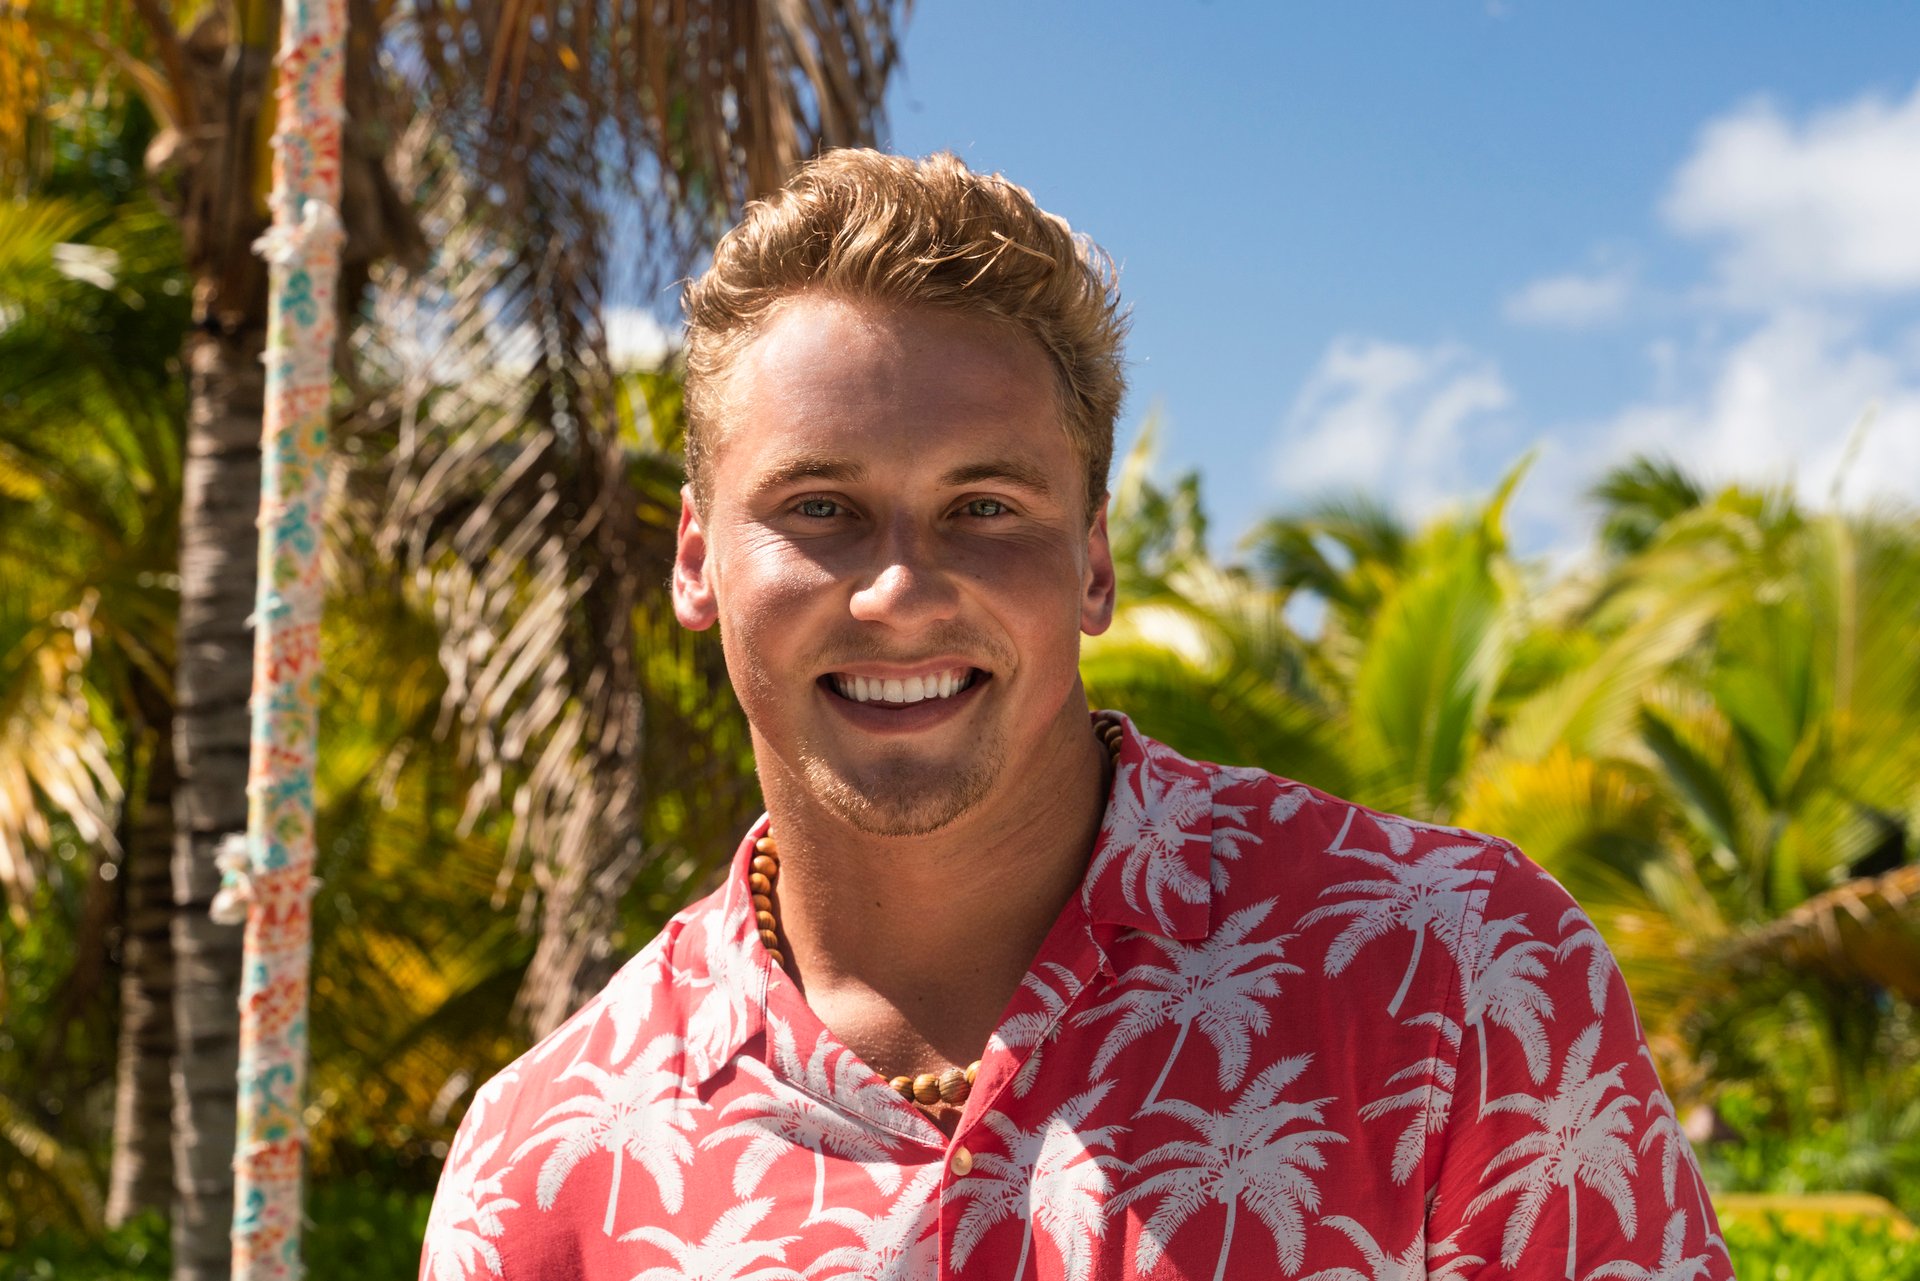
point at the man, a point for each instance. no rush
(998, 989)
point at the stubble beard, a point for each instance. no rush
(902, 795)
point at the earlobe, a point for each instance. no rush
(1096, 605)
(694, 603)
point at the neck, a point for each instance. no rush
(909, 948)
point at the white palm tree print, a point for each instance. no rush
(1599, 960)
(1433, 893)
(1051, 1176)
(1498, 987)
(466, 1217)
(1411, 1264)
(642, 1113)
(719, 1016)
(1671, 1267)
(785, 1118)
(1664, 1130)
(1578, 1139)
(627, 1001)
(1429, 1093)
(724, 1254)
(900, 1244)
(1242, 1157)
(1032, 1030)
(1145, 835)
(1221, 984)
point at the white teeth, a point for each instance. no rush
(910, 689)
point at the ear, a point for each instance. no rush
(1096, 602)
(694, 603)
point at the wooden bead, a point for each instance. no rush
(954, 1086)
(766, 922)
(771, 939)
(973, 1071)
(765, 866)
(761, 903)
(926, 1088)
(903, 1086)
(767, 845)
(760, 884)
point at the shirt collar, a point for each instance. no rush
(1152, 866)
(728, 969)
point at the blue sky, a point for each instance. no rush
(1396, 245)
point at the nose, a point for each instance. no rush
(906, 584)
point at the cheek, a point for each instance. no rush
(764, 593)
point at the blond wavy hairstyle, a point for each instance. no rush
(863, 225)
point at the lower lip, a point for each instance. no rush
(903, 718)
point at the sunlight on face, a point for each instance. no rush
(899, 558)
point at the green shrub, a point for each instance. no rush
(137, 1252)
(1856, 1251)
(355, 1228)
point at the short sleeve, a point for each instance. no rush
(464, 1227)
(1562, 1155)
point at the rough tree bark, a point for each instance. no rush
(141, 1176)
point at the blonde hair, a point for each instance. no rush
(864, 225)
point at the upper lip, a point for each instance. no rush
(901, 671)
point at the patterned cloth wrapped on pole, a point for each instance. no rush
(273, 882)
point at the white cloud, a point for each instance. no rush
(1782, 406)
(1405, 423)
(1570, 301)
(1827, 205)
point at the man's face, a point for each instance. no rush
(899, 556)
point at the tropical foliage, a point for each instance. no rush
(1708, 728)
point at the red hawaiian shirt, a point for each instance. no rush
(1274, 1034)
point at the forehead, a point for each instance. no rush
(873, 383)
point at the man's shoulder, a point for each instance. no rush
(1345, 874)
(1256, 806)
(639, 1004)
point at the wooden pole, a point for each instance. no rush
(272, 881)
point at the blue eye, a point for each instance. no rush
(819, 508)
(986, 507)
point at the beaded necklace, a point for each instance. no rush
(929, 1089)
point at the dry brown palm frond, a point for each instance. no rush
(565, 158)
(1864, 931)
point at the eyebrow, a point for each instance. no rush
(1025, 475)
(811, 467)
(825, 467)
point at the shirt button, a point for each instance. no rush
(961, 1162)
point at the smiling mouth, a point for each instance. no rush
(901, 691)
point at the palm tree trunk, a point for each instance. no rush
(613, 1192)
(1341, 835)
(1573, 1225)
(141, 1176)
(1226, 1241)
(819, 1183)
(218, 550)
(1419, 940)
(1482, 1029)
(1026, 1248)
(1161, 1080)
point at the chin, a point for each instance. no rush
(901, 799)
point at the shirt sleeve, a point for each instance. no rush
(465, 1226)
(1562, 1155)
